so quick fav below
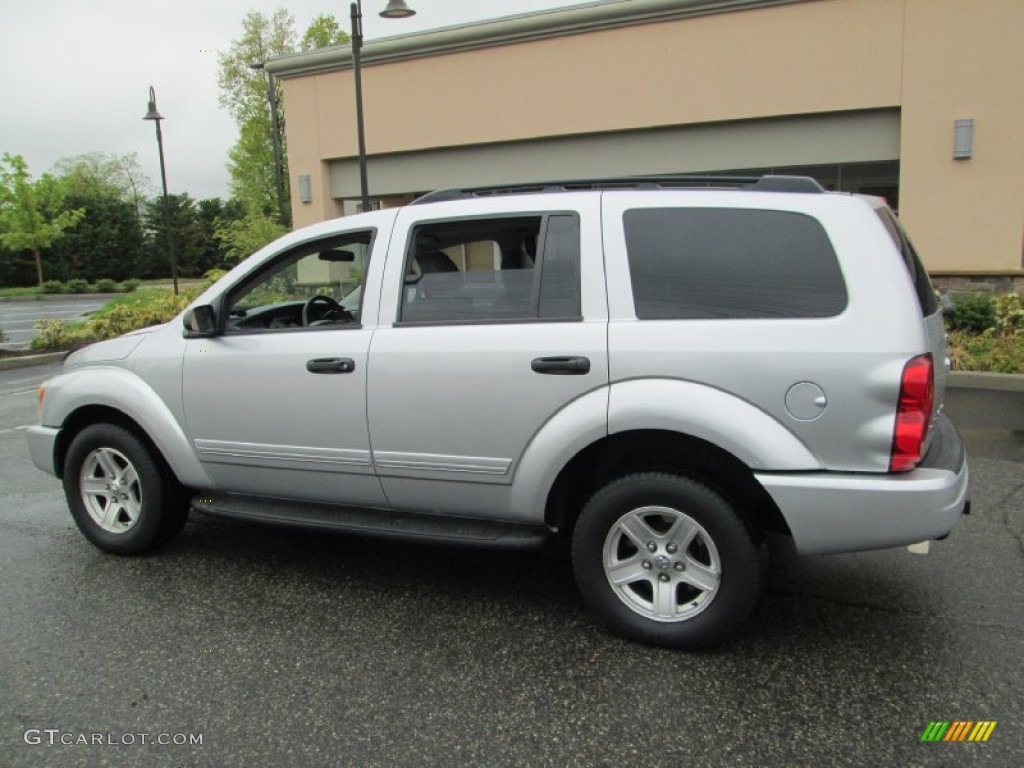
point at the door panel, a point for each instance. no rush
(276, 405)
(263, 424)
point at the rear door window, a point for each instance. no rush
(694, 263)
(503, 269)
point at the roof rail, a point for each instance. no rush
(680, 181)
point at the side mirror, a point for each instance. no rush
(200, 322)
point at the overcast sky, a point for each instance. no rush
(76, 74)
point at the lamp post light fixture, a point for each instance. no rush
(396, 9)
(275, 137)
(156, 117)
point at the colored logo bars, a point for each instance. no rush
(958, 730)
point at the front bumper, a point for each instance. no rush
(42, 442)
(829, 512)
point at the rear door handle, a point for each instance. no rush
(561, 366)
(331, 365)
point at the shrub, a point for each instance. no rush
(77, 285)
(988, 351)
(213, 275)
(105, 285)
(1009, 312)
(53, 286)
(128, 286)
(975, 312)
(153, 307)
(56, 334)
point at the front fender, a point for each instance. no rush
(724, 420)
(122, 390)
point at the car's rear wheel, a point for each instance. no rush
(666, 560)
(119, 494)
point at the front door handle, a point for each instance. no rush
(331, 365)
(561, 366)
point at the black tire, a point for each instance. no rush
(148, 511)
(656, 603)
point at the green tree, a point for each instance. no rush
(32, 217)
(107, 243)
(186, 236)
(251, 167)
(214, 214)
(243, 237)
(322, 32)
(97, 175)
(244, 92)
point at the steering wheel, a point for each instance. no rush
(330, 311)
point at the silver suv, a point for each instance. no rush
(661, 370)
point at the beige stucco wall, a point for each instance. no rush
(305, 152)
(935, 59)
(964, 59)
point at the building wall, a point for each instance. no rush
(303, 103)
(964, 59)
(864, 136)
(932, 60)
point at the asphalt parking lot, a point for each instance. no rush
(290, 649)
(18, 318)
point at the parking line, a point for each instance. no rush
(15, 429)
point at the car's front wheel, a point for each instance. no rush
(118, 493)
(666, 560)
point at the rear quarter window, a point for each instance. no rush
(691, 263)
(922, 282)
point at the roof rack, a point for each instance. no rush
(768, 183)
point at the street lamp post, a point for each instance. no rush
(156, 117)
(275, 138)
(396, 9)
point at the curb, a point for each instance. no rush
(60, 297)
(27, 361)
(996, 382)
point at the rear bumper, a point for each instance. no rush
(41, 444)
(829, 512)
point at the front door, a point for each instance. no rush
(276, 404)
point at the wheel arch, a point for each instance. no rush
(86, 416)
(648, 450)
(76, 400)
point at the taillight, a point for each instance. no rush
(913, 414)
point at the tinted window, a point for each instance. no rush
(489, 270)
(731, 263)
(922, 282)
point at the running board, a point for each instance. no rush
(372, 522)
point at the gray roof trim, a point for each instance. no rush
(604, 14)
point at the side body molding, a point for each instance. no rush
(732, 424)
(122, 390)
(577, 425)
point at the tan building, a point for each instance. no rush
(865, 95)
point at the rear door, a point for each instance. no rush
(490, 325)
